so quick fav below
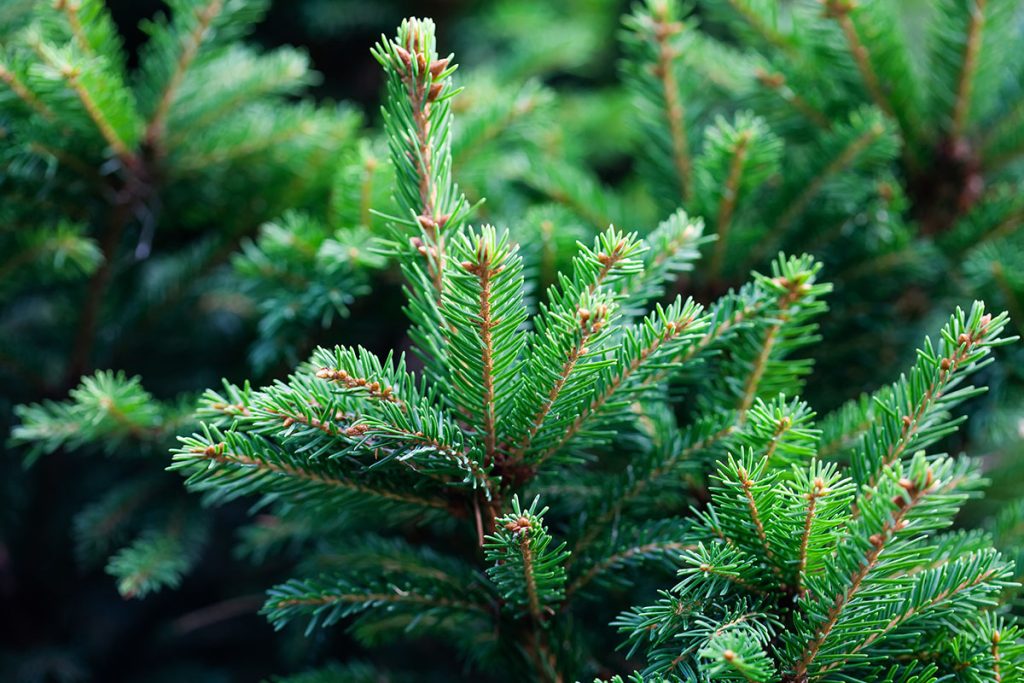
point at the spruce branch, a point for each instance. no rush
(966, 79)
(646, 347)
(415, 601)
(572, 332)
(12, 81)
(776, 82)
(675, 114)
(839, 10)
(914, 412)
(673, 247)
(107, 102)
(913, 493)
(863, 141)
(746, 154)
(231, 464)
(485, 307)
(191, 42)
(653, 38)
(527, 570)
(418, 118)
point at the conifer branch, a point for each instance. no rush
(965, 80)
(24, 94)
(611, 561)
(915, 495)
(218, 453)
(727, 203)
(776, 82)
(770, 35)
(961, 357)
(676, 328)
(812, 503)
(755, 517)
(910, 613)
(70, 9)
(72, 74)
(424, 118)
(529, 573)
(839, 164)
(675, 113)
(190, 45)
(840, 11)
(487, 323)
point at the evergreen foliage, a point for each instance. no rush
(566, 432)
(646, 435)
(113, 176)
(874, 135)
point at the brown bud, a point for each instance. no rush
(728, 655)
(944, 365)
(404, 55)
(438, 66)
(288, 422)
(435, 90)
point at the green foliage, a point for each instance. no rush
(111, 176)
(156, 533)
(528, 573)
(408, 483)
(861, 569)
(862, 132)
(212, 210)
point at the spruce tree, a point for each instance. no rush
(885, 138)
(125, 190)
(548, 455)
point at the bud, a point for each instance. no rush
(437, 67)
